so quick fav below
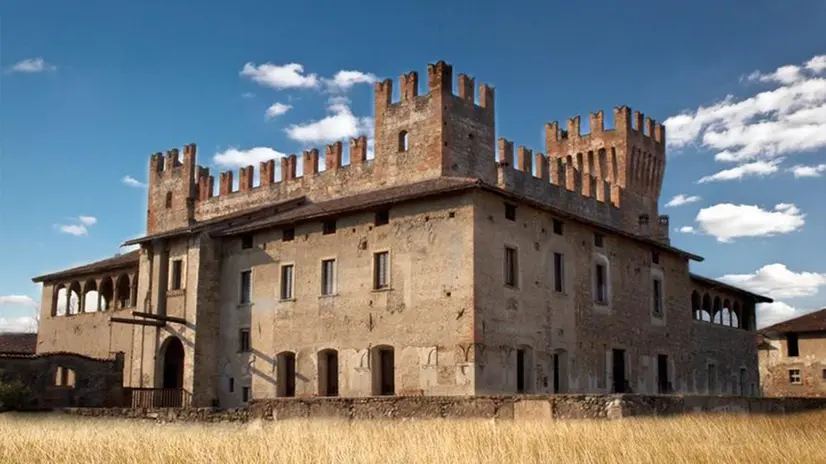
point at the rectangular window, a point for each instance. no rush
(657, 290)
(328, 269)
(559, 273)
(288, 234)
(655, 257)
(794, 375)
(245, 394)
(792, 347)
(510, 212)
(244, 340)
(602, 293)
(177, 274)
(511, 267)
(231, 384)
(246, 287)
(287, 282)
(380, 270)
(246, 241)
(558, 227)
(382, 218)
(329, 227)
(598, 240)
(824, 374)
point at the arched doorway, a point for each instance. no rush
(173, 364)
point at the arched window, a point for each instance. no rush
(73, 300)
(59, 301)
(90, 296)
(735, 315)
(168, 200)
(403, 140)
(696, 309)
(717, 311)
(706, 314)
(106, 294)
(123, 292)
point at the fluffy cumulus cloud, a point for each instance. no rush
(236, 157)
(686, 230)
(753, 169)
(344, 80)
(18, 300)
(132, 182)
(778, 311)
(33, 65)
(80, 227)
(339, 124)
(18, 324)
(279, 77)
(726, 221)
(681, 199)
(800, 170)
(277, 109)
(778, 281)
(788, 118)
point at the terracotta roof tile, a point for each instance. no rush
(18, 343)
(124, 260)
(812, 322)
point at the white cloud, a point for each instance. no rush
(800, 170)
(339, 124)
(787, 119)
(87, 220)
(680, 200)
(344, 80)
(280, 76)
(686, 230)
(79, 229)
(21, 300)
(754, 169)
(726, 221)
(777, 281)
(132, 182)
(772, 313)
(247, 95)
(234, 157)
(18, 324)
(32, 65)
(277, 109)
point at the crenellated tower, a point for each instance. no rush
(439, 132)
(630, 158)
(171, 189)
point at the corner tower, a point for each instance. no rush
(630, 157)
(439, 133)
(171, 190)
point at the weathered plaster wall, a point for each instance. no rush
(775, 365)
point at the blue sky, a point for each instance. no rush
(88, 91)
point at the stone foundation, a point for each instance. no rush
(475, 407)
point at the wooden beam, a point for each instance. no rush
(123, 320)
(158, 317)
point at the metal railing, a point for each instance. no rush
(156, 398)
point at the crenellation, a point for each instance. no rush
(172, 160)
(332, 156)
(622, 119)
(410, 85)
(596, 122)
(383, 94)
(267, 172)
(552, 134)
(649, 127)
(311, 162)
(358, 150)
(288, 165)
(524, 160)
(573, 127)
(486, 97)
(245, 177)
(440, 78)
(505, 153)
(557, 171)
(225, 186)
(541, 163)
(466, 86)
(156, 163)
(638, 122)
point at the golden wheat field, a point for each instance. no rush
(688, 439)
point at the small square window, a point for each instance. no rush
(598, 240)
(329, 227)
(245, 394)
(246, 241)
(794, 376)
(288, 234)
(382, 218)
(558, 227)
(510, 212)
(655, 257)
(244, 340)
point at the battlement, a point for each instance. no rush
(439, 82)
(161, 165)
(625, 122)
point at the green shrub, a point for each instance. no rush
(14, 395)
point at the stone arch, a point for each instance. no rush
(73, 300)
(90, 296)
(123, 292)
(579, 162)
(569, 160)
(735, 315)
(59, 300)
(404, 140)
(706, 313)
(696, 309)
(328, 372)
(383, 370)
(172, 359)
(725, 317)
(717, 311)
(285, 374)
(106, 292)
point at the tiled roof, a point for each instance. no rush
(812, 322)
(116, 262)
(18, 343)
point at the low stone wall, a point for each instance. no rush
(479, 407)
(94, 382)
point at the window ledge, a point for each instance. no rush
(381, 290)
(176, 292)
(332, 295)
(286, 300)
(244, 305)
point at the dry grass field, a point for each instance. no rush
(689, 439)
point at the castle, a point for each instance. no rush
(446, 264)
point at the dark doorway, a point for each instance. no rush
(520, 371)
(662, 374)
(286, 374)
(328, 373)
(556, 372)
(173, 364)
(619, 371)
(384, 371)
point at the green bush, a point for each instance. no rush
(14, 395)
